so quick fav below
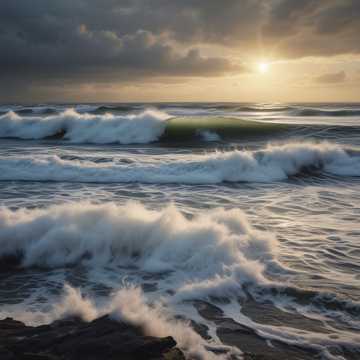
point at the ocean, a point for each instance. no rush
(232, 227)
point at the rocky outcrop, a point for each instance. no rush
(74, 339)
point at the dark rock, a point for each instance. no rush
(32, 356)
(5, 354)
(11, 324)
(74, 339)
(174, 354)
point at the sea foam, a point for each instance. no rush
(218, 246)
(273, 163)
(75, 127)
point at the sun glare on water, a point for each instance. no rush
(263, 67)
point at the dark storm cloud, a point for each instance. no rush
(121, 39)
(286, 16)
(63, 41)
(314, 27)
(331, 78)
(75, 47)
(103, 51)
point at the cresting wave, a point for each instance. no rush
(141, 128)
(217, 247)
(273, 163)
(76, 126)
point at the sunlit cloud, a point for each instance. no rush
(92, 43)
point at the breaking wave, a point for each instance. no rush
(273, 163)
(70, 125)
(154, 240)
(214, 253)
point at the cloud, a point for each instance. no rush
(60, 40)
(314, 28)
(83, 51)
(98, 41)
(331, 78)
(286, 17)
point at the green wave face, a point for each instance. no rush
(187, 128)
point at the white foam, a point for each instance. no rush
(145, 127)
(217, 247)
(274, 163)
(129, 304)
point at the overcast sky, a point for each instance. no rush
(179, 50)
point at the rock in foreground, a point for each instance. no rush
(74, 339)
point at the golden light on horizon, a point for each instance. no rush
(263, 67)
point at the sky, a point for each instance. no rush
(179, 50)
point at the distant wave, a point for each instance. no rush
(264, 109)
(57, 109)
(325, 112)
(301, 111)
(109, 108)
(193, 108)
(273, 163)
(145, 127)
(40, 110)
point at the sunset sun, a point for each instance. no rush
(263, 67)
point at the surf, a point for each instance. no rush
(136, 128)
(207, 266)
(275, 162)
(77, 128)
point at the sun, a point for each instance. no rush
(263, 67)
